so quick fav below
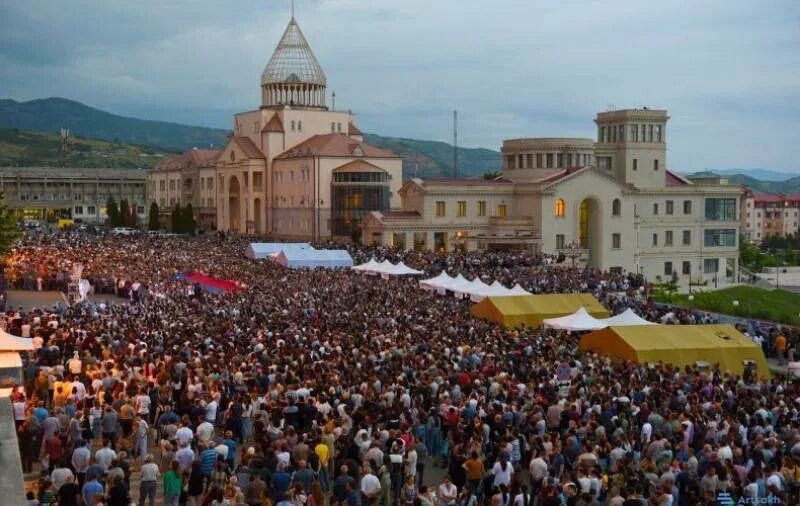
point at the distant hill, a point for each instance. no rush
(789, 185)
(760, 174)
(435, 159)
(23, 148)
(52, 114)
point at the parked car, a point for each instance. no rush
(119, 231)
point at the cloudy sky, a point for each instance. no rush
(727, 71)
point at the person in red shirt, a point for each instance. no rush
(54, 450)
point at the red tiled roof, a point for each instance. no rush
(561, 175)
(247, 145)
(190, 159)
(767, 197)
(468, 182)
(334, 144)
(401, 214)
(673, 179)
(273, 125)
(353, 130)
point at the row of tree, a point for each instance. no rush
(182, 220)
(122, 215)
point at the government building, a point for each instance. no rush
(608, 202)
(296, 169)
(293, 168)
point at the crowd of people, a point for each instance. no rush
(311, 387)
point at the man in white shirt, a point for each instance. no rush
(184, 435)
(411, 462)
(60, 476)
(105, 455)
(370, 484)
(205, 431)
(211, 411)
(142, 404)
(149, 480)
(448, 493)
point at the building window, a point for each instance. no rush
(635, 164)
(616, 241)
(668, 268)
(634, 134)
(292, 125)
(440, 209)
(668, 238)
(711, 265)
(725, 237)
(569, 160)
(650, 134)
(78, 209)
(655, 164)
(670, 207)
(520, 162)
(644, 133)
(655, 239)
(549, 160)
(721, 209)
(687, 237)
(529, 160)
(561, 208)
(139, 209)
(461, 208)
(538, 160)
(687, 207)
(686, 267)
(613, 133)
(602, 134)
(502, 211)
(481, 208)
(91, 210)
(560, 160)
(299, 126)
(333, 126)
(339, 127)
(616, 207)
(658, 133)
(559, 241)
(655, 208)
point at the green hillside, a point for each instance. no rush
(53, 114)
(22, 148)
(435, 159)
(790, 185)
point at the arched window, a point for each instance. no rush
(561, 208)
(616, 207)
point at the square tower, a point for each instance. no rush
(632, 145)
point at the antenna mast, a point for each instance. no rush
(455, 144)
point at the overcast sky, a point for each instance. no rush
(728, 71)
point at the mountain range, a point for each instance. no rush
(106, 139)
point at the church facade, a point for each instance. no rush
(608, 202)
(293, 168)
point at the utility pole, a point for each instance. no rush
(455, 144)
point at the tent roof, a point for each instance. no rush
(10, 342)
(579, 320)
(562, 303)
(678, 345)
(371, 265)
(443, 280)
(627, 317)
(275, 247)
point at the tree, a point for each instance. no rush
(112, 211)
(175, 219)
(9, 229)
(188, 219)
(153, 223)
(492, 175)
(124, 213)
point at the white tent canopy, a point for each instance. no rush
(311, 258)
(401, 269)
(494, 290)
(440, 282)
(9, 342)
(518, 290)
(628, 317)
(474, 286)
(261, 250)
(369, 267)
(579, 320)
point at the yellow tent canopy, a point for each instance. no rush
(678, 345)
(530, 310)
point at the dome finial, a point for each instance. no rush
(292, 9)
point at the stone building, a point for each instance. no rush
(610, 203)
(764, 214)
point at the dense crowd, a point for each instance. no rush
(320, 386)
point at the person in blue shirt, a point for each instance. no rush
(231, 444)
(280, 483)
(90, 490)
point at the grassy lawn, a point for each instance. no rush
(773, 305)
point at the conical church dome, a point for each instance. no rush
(293, 61)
